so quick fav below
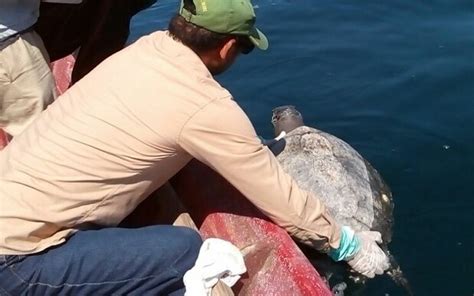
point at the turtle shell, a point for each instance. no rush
(352, 190)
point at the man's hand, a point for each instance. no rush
(369, 260)
(361, 251)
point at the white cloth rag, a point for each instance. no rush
(218, 260)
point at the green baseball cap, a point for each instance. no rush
(235, 17)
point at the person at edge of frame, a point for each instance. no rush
(26, 82)
(34, 32)
(96, 29)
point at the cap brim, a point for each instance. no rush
(258, 39)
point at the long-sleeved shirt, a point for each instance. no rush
(17, 16)
(123, 131)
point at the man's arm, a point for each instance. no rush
(221, 136)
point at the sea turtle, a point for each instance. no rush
(352, 190)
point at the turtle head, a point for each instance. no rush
(286, 118)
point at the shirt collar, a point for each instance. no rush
(177, 50)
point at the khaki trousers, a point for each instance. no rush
(26, 82)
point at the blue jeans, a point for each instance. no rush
(112, 261)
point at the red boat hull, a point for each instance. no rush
(276, 266)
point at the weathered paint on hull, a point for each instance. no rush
(276, 266)
(3, 139)
(62, 71)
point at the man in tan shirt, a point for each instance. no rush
(122, 132)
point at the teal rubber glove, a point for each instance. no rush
(362, 252)
(349, 244)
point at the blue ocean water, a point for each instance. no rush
(395, 79)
